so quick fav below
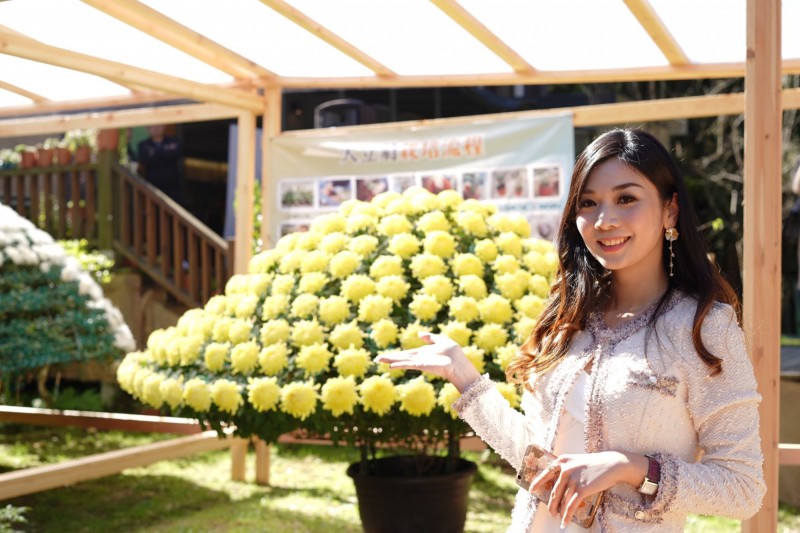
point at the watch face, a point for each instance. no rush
(648, 487)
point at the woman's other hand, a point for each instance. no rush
(442, 357)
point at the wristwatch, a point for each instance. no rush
(650, 484)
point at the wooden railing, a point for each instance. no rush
(115, 209)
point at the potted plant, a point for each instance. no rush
(46, 152)
(108, 139)
(63, 155)
(290, 346)
(27, 154)
(81, 143)
(9, 159)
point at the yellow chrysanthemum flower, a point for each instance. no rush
(190, 349)
(287, 243)
(530, 305)
(151, 390)
(505, 264)
(273, 358)
(404, 245)
(312, 283)
(244, 357)
(486, 250)
(540, 286)
(304, 305)
(439, 287)
(523, 328)
(520, 225)
(258, 284)
(274, 331)
(440, 243)
(476, 357)
(384, 333)
(313, 358)
(447, 397)
(359, 222)
(216, 305)
(417, 397)
(503, 355)
(472, 223)
(458, 331)
(352, 362)
(394, 287)
(215, 356)
(308, 240)
(226, 396)
(307, 332)
(239, 331)
(339, 395)
(139, 378)
(237, 284)
(291, 262)
(495, 309)
(314, 261)
(509, 392)
(394, 224)
(551, 261)
(246, 306)
(174, 351)
(473, 286)
(363, 245)
(264, 261)
(172, 392)
(542, 246)
(263, 393)
(197, 395)
(464, 309)
(422, 200)
(386, 265)
(231, 302)
(329, 223)
(424, 265)
(374, 307)
(535, 262)
(299, 399)
(357, 286)
(383, 199)
(334, 310)
(500, 222)
(424, 306)
(513, 285)
(334, 242)
(433, 221)
(344, 263)
(409, 337)
(346, 335)
(449, 198)
(127, 369)
(467, 264)
(509, 243)
(490, 336)
(365, 208)
(282, 284)
(378, 394)
(400, 206)
(274, 306)
(220, 333)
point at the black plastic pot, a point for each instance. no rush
(392, 499)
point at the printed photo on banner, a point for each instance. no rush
(296, 194)
(544, 224)
(437, 182)
(401, 182)
(332, 192)
(293, 226)
(510, 184)
(547, 181)
(369, 188)
(473, 185)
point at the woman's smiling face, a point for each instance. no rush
(621, 218)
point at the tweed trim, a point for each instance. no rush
(472, 393)
(649, 509)
(667, 385)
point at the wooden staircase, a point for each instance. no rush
(118, 210)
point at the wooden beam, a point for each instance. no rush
(477, 29)
(245, 185)
(116, 119)
(35, 51)
(658, 31)
(167, 30)
(37, 98)
(313, 27)
(104, 421)
(538, 77)
(36, 479)
(762, 234)
(789, 454)
(272, 125)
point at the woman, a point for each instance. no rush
(636, 375)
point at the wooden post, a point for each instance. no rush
(762, 233)
(238, 457)
(272, 125)
(262, 461)
(245, 182)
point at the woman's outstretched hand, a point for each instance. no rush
(442, 357)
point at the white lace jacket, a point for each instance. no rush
(649, 393)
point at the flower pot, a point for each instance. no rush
(393, 499)
(107, 139)
(45, 157)
(63, 157)
(83, 154)
(28, 159)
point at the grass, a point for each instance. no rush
(309, 491)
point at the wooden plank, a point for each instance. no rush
(37, 479)
(76, 220)
(658, 31)
(37, 98)
(164, 240)
(205, 271)
(477, 29)
(90, 211)
(262, 461)
(151, 236)
(20, 195)
(177, 253)
(136, 220)
(762, 234)
(220, 269)
(26, 48)
(105, 200)
(104, 421)
(47, 192)
(194, 270)
(789, 454)
(33, 184)
(315, 28)
(125, 200)
(61, 194)
(272, 126)
(167, 30)
(166, 282)
(238, 458)
(245, 184)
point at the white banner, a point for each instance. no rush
(520, 164)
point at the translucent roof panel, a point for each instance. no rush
(73, 25)
(710, 31)
(8, 99)
(265, 37)
(55, 83)
(410, 37)
(570, 34)
(790, 36)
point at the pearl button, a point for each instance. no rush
(639, 515)
(653, 380)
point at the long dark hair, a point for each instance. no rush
(582, 283)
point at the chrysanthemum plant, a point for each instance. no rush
(290, 346)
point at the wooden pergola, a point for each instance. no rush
(234, 59)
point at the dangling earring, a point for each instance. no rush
(671, 235)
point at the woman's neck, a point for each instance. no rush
(632, 296)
